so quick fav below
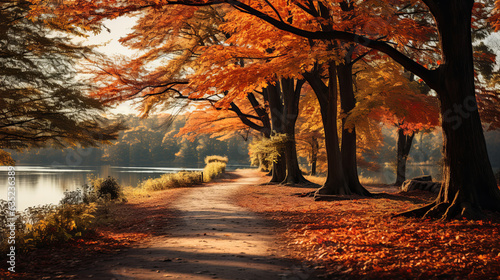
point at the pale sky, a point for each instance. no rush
(118, 28)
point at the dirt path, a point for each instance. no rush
(212, 239)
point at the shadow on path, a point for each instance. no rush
(211, 238)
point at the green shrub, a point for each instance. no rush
(65, 222)
(265, 151)
(106, 188)
(41, 226)
(86, 194)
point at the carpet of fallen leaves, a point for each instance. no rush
(359, 238)
(118, 226)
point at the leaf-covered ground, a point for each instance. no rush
(119, 227)
(358, 238)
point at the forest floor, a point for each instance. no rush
(359, 238)
(239, 227)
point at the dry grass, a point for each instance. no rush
(118, 227)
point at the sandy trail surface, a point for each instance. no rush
(212, 239)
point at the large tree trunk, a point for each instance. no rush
(291, 95)
(336, 183)
(404, 147)
(348, 148)
(276, 109)
(469, 184)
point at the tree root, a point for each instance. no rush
(326, 197)
(439, 211)
(419, 212)
(445, 211)
(327, 191)
(306, 194)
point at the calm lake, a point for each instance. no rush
(38, 185)
(387, 174)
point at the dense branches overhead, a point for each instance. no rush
(169, 39)
(172, 36)
(41, 102)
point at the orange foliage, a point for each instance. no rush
(220, 124)
(495, 17)
(386, 94)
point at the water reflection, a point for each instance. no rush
(38, 185)
(387, 174)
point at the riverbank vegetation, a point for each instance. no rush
(74, 217)
(82, 211)
(215, 165)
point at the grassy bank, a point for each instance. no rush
(215, 165)
(86, 211)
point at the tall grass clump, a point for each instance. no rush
(215, 165)
(211, 159)
(170, 181)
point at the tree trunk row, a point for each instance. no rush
(284, 107)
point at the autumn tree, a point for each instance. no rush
(388, 94)
(191, 31)
(41, 101)
(469, 184)
(235, 72)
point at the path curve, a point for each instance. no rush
(212, 239)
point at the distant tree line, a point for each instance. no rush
(146, 142)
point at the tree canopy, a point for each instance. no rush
(41, 100)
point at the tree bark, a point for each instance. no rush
(262, 114)
(469, 184)
(291, 95)
(336, 183)
(276, 110)
(348, 148)
(314, 155)
(403, 150)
